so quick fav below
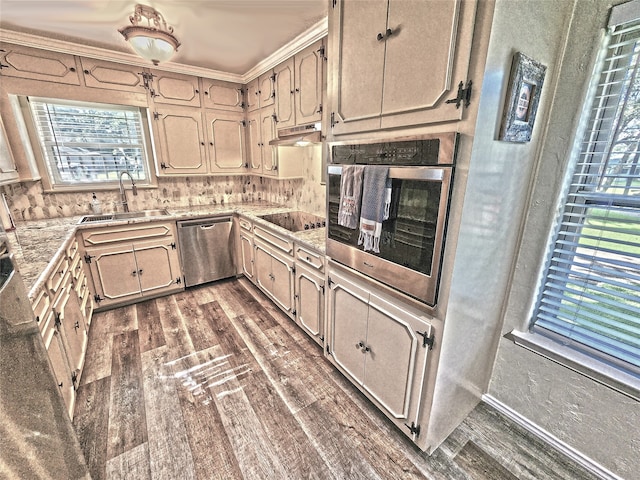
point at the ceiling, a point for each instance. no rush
(231, 36)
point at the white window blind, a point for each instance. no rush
(590, 297)
(86, 143)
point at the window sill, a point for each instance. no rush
(597, 370)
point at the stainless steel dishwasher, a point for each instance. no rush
(206, 249)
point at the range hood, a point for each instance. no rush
(298, 136)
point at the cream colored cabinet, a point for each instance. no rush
(71, 325)
(226, 133)
(254, 142)
(397, 63)
(36, 64)
(174, 89)
(274, 267)
(59, 363)
(8, 170)
(221, 95)
(299, 85)
(309, 296)
(253, 95)
(113, 76)
(246, 248)
(269, 153)
(267, 89)
(380, 343)
(130, 263)
(180, 136)
(274, 275)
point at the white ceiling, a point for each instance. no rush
(231, 36)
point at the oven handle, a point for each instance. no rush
(406, 173)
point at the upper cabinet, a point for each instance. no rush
(298, 87)
(226, 133)
(174, 89)
(222, 95)
(35, 64)
(398, 63)
(113, 76)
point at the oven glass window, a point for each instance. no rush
(408, 235)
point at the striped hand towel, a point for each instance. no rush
(376, 200)
(350, 195)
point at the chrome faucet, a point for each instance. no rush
(123, 195)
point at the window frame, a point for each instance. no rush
(48, 183)
(601, 367)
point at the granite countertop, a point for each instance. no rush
(36, 242)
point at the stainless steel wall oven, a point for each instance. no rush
(412, 238)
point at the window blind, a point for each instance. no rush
(590, 296)
(89, 143)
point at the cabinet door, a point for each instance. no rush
(268, 133)
(222, 95)
(309, 72)
(72, 328)
(285, 93)
(175, 89)
(267, 89)
(253, 95)
(390, 363)
(427, 54)
(262, 264)
(358, 64)
(59, 364)
(35, 64)
(157, 266)
(310, 302)
(115, 273)
(282, 282)
(226, 141)
(254, 142)
(112, 76)
(348, 314)
(246, 252)
(180, 138)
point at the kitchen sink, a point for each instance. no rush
(295, 221)
(124, 215)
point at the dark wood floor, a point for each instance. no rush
(216, 383)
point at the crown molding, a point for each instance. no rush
(303, 40)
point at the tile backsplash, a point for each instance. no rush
(28, 201)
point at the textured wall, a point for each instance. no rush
(509, 208)
(27, 200)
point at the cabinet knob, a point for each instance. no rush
(140, 272)
(211, 143)
(389, 32)
(380, 37)
(134, 273)
(297, 89)
(197, 91)
(201, 143)
(86, 72)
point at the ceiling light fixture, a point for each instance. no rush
(149, 35)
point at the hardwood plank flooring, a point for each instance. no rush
(217, 383)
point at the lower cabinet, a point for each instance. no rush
(274, 275)
(131, 262)
(246, 255)
(381, 345)
(309, 295)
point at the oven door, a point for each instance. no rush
(412, 238)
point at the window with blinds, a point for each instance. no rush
(590, 296)
(86, 143)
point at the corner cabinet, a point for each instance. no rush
(397, 63)
(132, 262)
(380, 344)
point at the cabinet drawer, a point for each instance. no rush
(58, 274)
(245, 224)
(310, 258)
(41, 307)
(281, 243)
(127, 233)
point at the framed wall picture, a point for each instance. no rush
(523, 96)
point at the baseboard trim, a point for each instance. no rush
(550, 439)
